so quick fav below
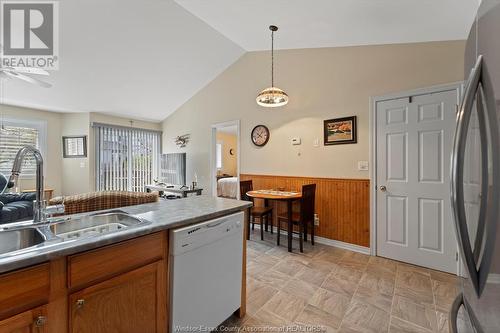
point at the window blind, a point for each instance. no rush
(127, 159)
(13, 138)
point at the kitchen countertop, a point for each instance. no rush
(162, 215)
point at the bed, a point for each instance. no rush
(228, 187)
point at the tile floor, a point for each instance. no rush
(333, 290)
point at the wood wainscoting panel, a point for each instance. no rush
(343, 205)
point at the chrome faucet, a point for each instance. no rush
(40, 208)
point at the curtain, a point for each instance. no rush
(127, 159)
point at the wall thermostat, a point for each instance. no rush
(296, 141)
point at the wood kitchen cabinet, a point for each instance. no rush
(128, 303)
(31, 321)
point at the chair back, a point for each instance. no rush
(307, 203)
(246, 186)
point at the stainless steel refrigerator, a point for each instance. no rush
(475, 175)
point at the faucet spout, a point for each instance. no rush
(39, 204)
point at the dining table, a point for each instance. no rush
(276, 195)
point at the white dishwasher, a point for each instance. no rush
(205, 273)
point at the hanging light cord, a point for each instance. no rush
(272, 58)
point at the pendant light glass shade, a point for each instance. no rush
(272, 97)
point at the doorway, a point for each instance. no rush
(412, 142)
(225, 160)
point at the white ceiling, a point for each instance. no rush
(330, 23)
(134, 59)
(142, 60)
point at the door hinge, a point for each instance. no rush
(410, 99)
(456, 256)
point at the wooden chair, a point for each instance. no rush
(260, 213)
(305, 217)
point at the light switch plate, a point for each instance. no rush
(296, 141)
(316, 143)
(362, 165)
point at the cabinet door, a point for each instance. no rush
(31, 321)
(129, 303)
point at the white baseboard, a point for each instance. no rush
(494, 278)
(332, 242)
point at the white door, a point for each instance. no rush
(414, 141)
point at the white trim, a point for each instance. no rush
(330, 242)
(373, 147)
(493, 278)
(213, 168)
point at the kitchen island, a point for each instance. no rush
(115, 281)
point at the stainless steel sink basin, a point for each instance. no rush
(94, 225)
(15, 240)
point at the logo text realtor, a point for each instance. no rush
(29, 34)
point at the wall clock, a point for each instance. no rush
(260, 135)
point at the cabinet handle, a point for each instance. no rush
(40, 321)
(80, 303)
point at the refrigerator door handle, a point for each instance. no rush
(455, 307)
(457, 169)
(460, 301)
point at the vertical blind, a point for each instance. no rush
(127, 159)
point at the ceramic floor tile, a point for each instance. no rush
(313, 276)
(419, 297)
(273, 278)
(341, 291)
(267, 259)
(289, 267)
(373, 297)
(345, 286)
(415, 281)
(444, 294)
(378, 283)
(401, 326)
(312, 315)
(300, 288)
(285, 305)
(403, 267)
(365, 318)
(260, 296)
(271, 319)
(442, 322)
(423, 316)
(335, 304)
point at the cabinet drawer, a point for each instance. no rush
(24, 289)
(99, 264)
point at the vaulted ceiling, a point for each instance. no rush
(331, 23)
(144, 59)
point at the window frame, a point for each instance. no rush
(41, 127)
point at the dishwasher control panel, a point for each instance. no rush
(192, 237)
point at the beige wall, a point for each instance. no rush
(322, 84)
(52, 158)
(68, 176)
(229, 162)
(76, 171)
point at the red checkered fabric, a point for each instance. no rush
(90, 202)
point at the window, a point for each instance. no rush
(218, 156)
(127, 159)
(15, 134)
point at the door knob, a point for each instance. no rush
(383, 188)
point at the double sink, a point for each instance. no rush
(18, 238)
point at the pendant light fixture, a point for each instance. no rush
(272, 97)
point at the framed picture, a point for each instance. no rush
(74, 146)
(340, 131)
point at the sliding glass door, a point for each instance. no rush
(127, 159)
